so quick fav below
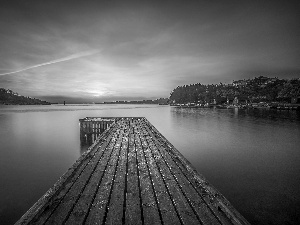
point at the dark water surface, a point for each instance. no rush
(251, 157)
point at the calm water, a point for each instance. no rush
(251, 157)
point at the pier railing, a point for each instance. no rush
(91, 128)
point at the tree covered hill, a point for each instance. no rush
(8, 97)
(255, 90)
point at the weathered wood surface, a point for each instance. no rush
(132, 175)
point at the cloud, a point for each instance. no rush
(70, 57)
(147, 49)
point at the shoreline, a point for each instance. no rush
(283, 106)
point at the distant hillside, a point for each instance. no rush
(255, 90)
(8, 97)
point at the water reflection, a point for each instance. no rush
(250, 156)
(253, 114)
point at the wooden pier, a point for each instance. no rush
(130, 175)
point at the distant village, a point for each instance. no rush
(259, 92)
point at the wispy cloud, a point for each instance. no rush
(70, 57)
(147, 49)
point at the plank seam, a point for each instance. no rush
(138, 174)
(167, 144)
(112, 185)
(167, 188)
(82, 190)
(200, 195)
(41, 204)
(88, 182)
(61, 199)
(180, 187)
(152, 185)
(125, 184)
(74, 183)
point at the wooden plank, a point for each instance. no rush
(81, 209)
(199, 196)
(133, 212)
(203, 212)
(165, 204)
(135, 177)
(116, 211)
(151, 212)
(53, 203)
(61, 213)
(186, 170)
(99, 205)
(181, 203)
(216, 202)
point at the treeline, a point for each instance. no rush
(254, 90)
(8, 97)
(162, 101)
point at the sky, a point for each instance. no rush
(106, 50)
